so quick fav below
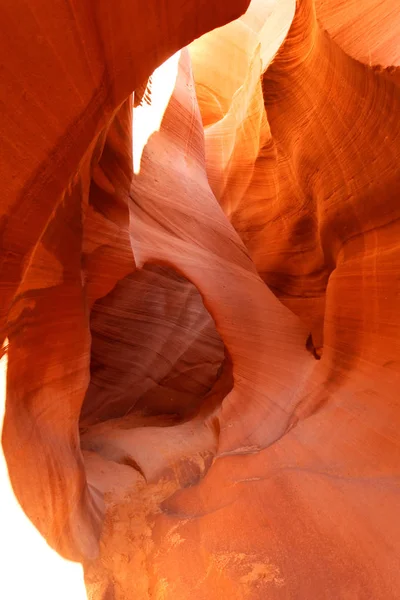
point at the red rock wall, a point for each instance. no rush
(367, 30)
(161, 278)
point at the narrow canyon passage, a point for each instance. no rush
(200, 275)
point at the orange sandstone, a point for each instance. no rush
(191, 216)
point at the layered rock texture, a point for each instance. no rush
(200, 293)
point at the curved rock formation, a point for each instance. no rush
(366, 30)
(172, 265)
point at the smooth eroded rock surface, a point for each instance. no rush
(200, 282)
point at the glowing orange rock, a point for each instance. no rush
(169, 280)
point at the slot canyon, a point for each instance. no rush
(200, 300)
